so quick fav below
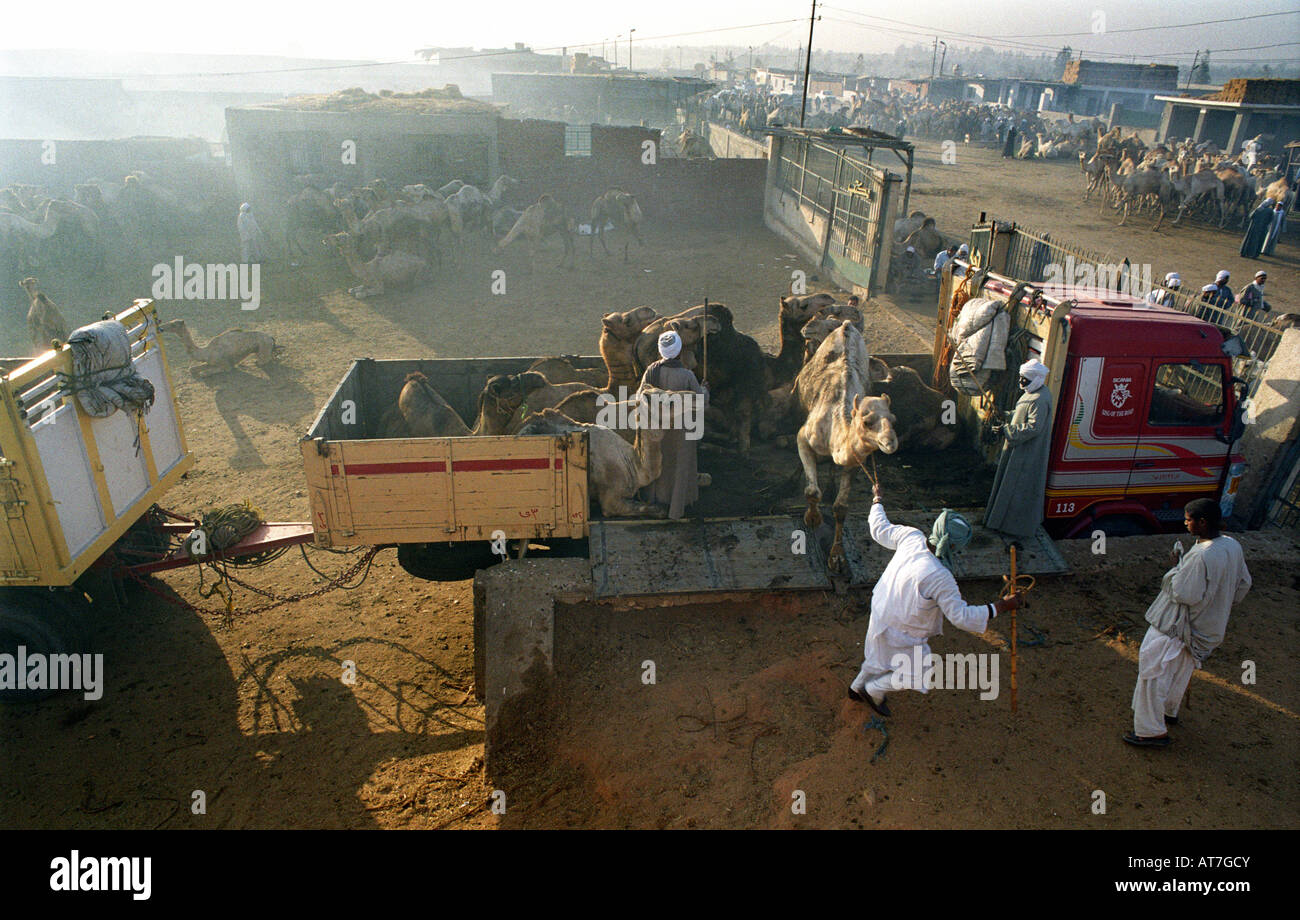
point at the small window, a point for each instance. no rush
(1187, 394)
(577, 140)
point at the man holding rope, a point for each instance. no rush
(910, 601)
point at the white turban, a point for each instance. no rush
(670, 345)
(963, 250)
(1173, 279)
(245, 207)
(1221, 276)
(1035, 372)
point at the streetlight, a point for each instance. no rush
(943, 57)
(617, 39)
(629, 49)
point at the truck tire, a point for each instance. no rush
(33, 619)
(1122, 526)
(445, 562)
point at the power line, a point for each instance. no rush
(1180, 25)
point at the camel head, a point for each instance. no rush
(176, 326)
(872, 426)
(692, 329)
(547, 422)
(800, 309)
(627, 325)
(28, 285)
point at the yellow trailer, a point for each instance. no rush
(70, 484)
(443, 501)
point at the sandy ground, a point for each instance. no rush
(254, 713)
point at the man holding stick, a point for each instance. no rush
(1188, 620)
(909, 603)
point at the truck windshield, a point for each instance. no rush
(1187, 394)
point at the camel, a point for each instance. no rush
(906, 226)
(310, 209)
(842, 423)
(619, 208)
(618, 337)
(615, 469)
(1189, 189)
(44, 321)
(503, 219)
(390, 228)
(646, 349)
(25, 236)
(1284, 321)
(561, 370)
(1135, 187)
(225, 349)
(540, 220)
(473, 207)
(386, 270)
(1094, 172)
(426, 413)
(926, 240)
(793, 313)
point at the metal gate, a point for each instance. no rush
(846, 203)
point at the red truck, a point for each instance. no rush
(1146, 407)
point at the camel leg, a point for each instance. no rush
(744, 423)
(837, 563)
(613, 504)
(812, 518)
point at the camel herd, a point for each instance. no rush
(1182, 178)
(822, 390)
(392, 239)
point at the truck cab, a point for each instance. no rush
(1144, 417)
(1145, 406)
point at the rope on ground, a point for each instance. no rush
(877, 722)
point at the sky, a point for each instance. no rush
(392, 29)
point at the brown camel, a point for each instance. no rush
(544, 218)
(225, 349)
(44, 321)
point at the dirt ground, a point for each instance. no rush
(254, 712)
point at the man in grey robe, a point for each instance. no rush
(1188, 620)
(1015, 505)
(678, 484)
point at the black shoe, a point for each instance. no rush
(1157, 741)
(1171, 720)
(881, 708)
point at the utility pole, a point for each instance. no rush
(934, 55)
(943, 57)
(807, 62)
(629, 49)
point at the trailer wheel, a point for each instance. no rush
(445, 562)
(33, 620)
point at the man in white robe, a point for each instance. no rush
(250, 236)
(1188, 620)
(909, 603)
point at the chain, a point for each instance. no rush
(227, 615)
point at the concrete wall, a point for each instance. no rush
(690, 192)
(388, 146)
(729, 144)
(1276, 427)
(65, 163)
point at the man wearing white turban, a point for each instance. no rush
(678, 483)
(1015, 505)
(909, 603)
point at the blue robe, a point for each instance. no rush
(1256, 230)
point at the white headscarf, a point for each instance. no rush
(670, 345)
(1221, 277)
(1173, 280)
(1035, 372)
(245, 207)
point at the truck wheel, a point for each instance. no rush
(1122, 527)
(30, 619)
(445, 562)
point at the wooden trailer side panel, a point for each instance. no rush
(426, 490)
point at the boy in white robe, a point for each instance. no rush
(908, 606)
(1188, 620)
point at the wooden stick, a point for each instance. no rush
(704, 333)
(1015, 591)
